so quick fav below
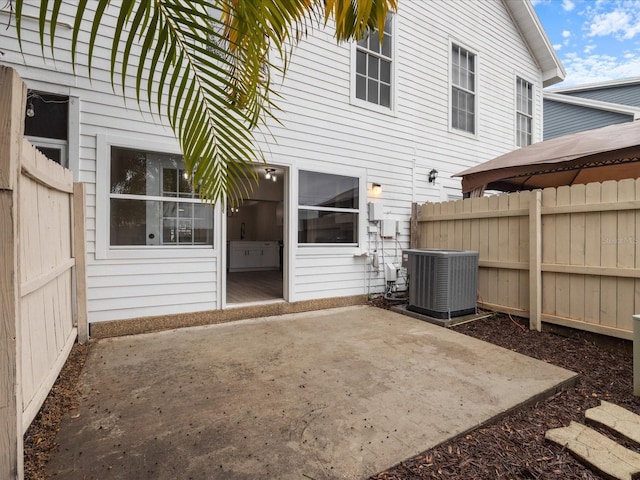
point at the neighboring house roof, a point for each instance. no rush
(527, 22)
(630, 110)
(608, 153)
(597, 86)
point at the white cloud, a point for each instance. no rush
(557, 46)
(622, 21)
(566, 34)
(598, 68)
(568, 5)
(589, 48)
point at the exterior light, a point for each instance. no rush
(433, 174)
(376, 188)
(270, 174)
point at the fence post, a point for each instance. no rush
(535, 261)
(414, 241)
(13, 95)
(80, 255)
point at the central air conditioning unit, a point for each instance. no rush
(442, 283)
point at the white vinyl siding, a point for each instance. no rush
(524, 112)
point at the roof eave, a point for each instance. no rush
(529, 25)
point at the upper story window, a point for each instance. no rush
(46, 125)
(524, 112)
(328, 208)
(151, 202)
(373, 66)
(463, 89)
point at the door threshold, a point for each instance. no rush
(257, 303)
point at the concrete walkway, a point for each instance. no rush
(341, 393)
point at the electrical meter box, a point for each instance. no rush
(375, 212)
(388, 228)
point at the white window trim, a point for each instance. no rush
(73, 128)
(54, 143)
(346, 249)
(357, 102)
(476, 95)
(534, 116)
(104, 251)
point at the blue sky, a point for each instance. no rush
(596, 40)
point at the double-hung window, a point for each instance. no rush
(524, 112)
(373, 66)
(463, 89)
(328, 208)
(151, 202)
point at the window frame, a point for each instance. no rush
(347, 248)
(518, 113)
(354, 100)
(73, 129)
(454, 43)
(104, 249)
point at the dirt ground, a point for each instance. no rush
(510, 448)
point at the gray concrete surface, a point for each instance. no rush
(342, 393)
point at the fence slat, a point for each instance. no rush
(535, 261)
(548, 227)
(593, 241)
(626, 257)
(609, 256)
(563, 253)
(576, 253)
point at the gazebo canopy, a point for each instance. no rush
(608, 153)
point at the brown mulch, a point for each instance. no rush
(511, 448)
(40, 438)
(514, 446)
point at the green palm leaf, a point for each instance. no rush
(209, 60)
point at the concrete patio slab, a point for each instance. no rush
(342, 393)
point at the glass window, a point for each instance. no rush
(524, 112)
(373, 66)
(463, 88)
(328, 208)
(46, 124)
(152, 202)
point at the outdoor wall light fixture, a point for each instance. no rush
(231, 211)
(433, 174)
(376, 188)
(31, 112)
(270, 174)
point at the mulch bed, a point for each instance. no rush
(511, 448)
(514, 446)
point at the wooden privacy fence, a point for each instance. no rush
(42, 273)
(568, 256)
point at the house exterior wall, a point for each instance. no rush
(323, 128)
(563, 119)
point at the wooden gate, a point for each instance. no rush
(42, 273)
